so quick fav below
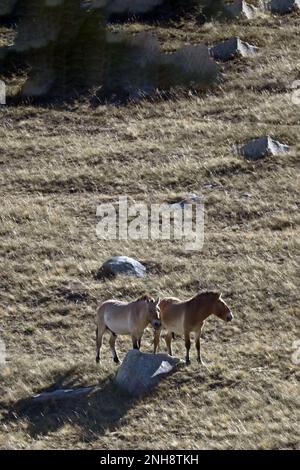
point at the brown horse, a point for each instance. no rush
(183, 318)
(120, 318)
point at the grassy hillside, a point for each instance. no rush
(57, 164)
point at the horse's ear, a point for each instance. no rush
(144, 297)
(215, 295)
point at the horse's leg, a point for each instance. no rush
(197, 343)
(187, 346)
(112, 342)
(156, 340)
(168, 338)
(139, 341)
(135, 342)
(99, 335)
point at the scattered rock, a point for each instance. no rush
(231, 48)
(141, 372)
(241, 9)
(263, 147)
(121, 265)
(282, 7)
(190, 199)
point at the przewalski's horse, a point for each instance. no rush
(120, 318)
(184, 317)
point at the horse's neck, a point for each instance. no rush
(142, 312)
(197, 305)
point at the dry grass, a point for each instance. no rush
(58, 164)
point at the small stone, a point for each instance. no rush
(190, 199)
(263, 147)
(282, 7)
(241, 9)
(141, 372)
(121, 265)
(231, 48)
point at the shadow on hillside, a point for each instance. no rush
(93, 414)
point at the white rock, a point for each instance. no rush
(164, 368)
(263, 147)
(121, 265)
(231, 48)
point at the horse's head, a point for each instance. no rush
(153, 311)
(221, 309)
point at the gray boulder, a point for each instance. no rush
(241, 9)
(231, 48)
(121, 265)
(282, 7)
(141, 372)
(263, 147)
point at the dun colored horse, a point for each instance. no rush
(183, 318)
(120, 318)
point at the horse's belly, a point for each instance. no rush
(119, 325)
(175, 326)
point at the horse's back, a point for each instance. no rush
(167, 301)
(116, 315)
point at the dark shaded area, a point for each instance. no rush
(66, 53)
(173, 10)
(169, 10)
(96, 413)
(61, 46)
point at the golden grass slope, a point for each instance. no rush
(58, 164)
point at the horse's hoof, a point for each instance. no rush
(116, 360)
(188, 363)
(97, 360)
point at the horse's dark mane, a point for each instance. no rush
(208, 293)
(146, 297)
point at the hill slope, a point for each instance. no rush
(58, 164)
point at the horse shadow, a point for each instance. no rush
(94, 413)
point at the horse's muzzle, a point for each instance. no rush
(156, 324)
